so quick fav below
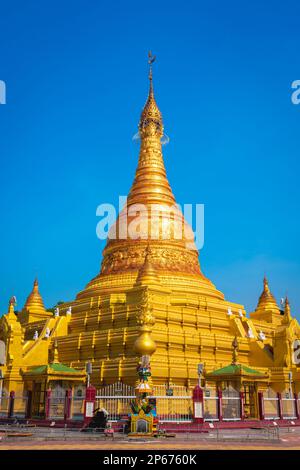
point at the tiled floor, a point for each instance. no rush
(288, 440)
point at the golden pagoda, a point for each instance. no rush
(151, 298)
(34, 309)
(267, 308)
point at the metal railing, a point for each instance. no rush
(116, 406)
(231, 408)
(20, 406)
(271, 408)
(77, 408)
(57, 407)
(289, 408)
(4, 405)
(174, 408)
(168, 409)
(211, 409)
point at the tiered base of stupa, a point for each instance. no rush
(192, 326)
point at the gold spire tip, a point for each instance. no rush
(55, 352)
(235, 346)
(12, 300)
(266, 285)
(151, 59)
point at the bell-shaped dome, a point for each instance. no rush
(266, 301)
(34, 302)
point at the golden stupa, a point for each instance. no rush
(150, 298)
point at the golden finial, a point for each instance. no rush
(12, 304)
(55, 352)
(235, 346)
(13, 301)
(151, 121)
(151, 59)
(266, 284)
(287, 309)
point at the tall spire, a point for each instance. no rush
(151, 184)
(151, 216)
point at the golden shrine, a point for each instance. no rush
(151, 298)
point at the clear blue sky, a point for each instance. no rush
(76, 76)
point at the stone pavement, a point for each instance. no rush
(289, 440)
(159, 446)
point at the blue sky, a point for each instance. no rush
(76, 76)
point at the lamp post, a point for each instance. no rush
(290, 375)
(1, 386)
(89, 369)
(200, 372)
(198, 398)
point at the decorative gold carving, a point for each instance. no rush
(144, 345)
(145, 315)
(176, 259)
